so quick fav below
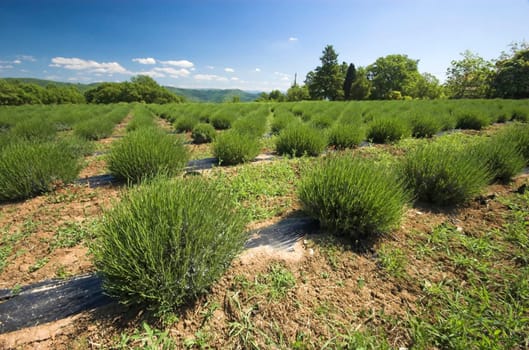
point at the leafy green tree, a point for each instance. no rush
(326, 81)
(511, 79)
(469, 77)
(298, 93)
(350, 77)
(427, 87)
(361, 86)
(276, 95)
(140, 89)
(393, 73)
(14, 92)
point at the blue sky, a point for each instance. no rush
(247, 44)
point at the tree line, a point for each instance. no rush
(396, 77)
(140, 89)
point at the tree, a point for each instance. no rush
(326, 81)
(361, 87)
(469, 77)
(511, 79)
(350, 77)
(298, 93)
(140, 89)
(427, 87)
(276, 95)
(393, 73)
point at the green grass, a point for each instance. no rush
(265, 189)
(486, 306)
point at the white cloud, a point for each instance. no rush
(6, 67)
(147, 60)
(257, 69)
(17, 61)
(292, 38)
(235, 79)
(74, 63)
(229, 70)
(26, 58)
(282, 76)
(209, 77)
(210, 67)
(180, 63)
(173, 72)
(152, 74)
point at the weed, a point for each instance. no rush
(38, 264)
(392, 260)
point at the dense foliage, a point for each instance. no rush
(353, 196)
(167, 242)
(15, 92)
(140, 89)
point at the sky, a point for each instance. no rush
(254, 45)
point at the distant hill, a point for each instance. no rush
(214, 95)
(43, 83)
(192, 95)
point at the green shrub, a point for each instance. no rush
(222, 121)
(281, 121)
(203, 133)
(185, 123)
(424, 126)
(76, 146)
(501, 156)
(34, 129)
(166, 242)
(28, 169)
(232, 148)
(519, 134)
(297, 140)
(353, 196)
(386, 130)
(94, 129)
(322, 121)
(146, 153)
(444, 175)
(519, 114)
(253, 124)
(343, 136)
(142, 118)
(471, 120)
